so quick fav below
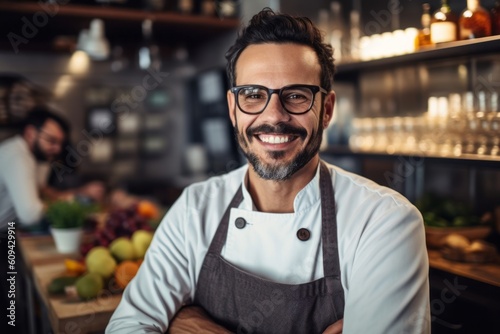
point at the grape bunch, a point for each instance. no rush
(119, 223)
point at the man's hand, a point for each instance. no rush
(336, 328)
(94, 190)
(193, 319)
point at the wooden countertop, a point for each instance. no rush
(484, 272)
(71, 315)
(40, 249)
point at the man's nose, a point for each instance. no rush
(57, 148)
(274, 111)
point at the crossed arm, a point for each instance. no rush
(193, 319)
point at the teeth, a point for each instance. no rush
(275, 139)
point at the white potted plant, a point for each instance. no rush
(66, 220)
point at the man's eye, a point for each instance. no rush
(296, 97)
(253, 95)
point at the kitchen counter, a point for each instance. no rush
(488, 273)
(43, 263)
(70, 314)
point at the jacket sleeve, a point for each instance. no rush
(162, 284)
(20, 180)
(388, 288)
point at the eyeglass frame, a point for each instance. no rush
(314, 89)
(52, 140)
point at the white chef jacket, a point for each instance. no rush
(382, 254)
(19, 183)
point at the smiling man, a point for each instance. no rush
(287, 243)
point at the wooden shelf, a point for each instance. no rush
(446, 50)
(113, 13)
(488, 273)
(121, 24)
(465, 159)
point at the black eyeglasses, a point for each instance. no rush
(295, 99)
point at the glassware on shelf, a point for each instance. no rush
(494, 137)
(454, 125)
(362, 136)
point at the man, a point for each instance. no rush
(43, 135)
(286, 244)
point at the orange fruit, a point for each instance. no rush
(124, 273)
(74, 267)
(139, 262)
(147, 209)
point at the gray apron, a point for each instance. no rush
(244, 303)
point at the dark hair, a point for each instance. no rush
(270, 27)
(40, 114)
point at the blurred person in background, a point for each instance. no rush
(286, 243)
(22, 193)
(21, 190)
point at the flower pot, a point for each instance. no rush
(67, 240)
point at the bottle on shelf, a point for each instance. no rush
(355, 36)
(149, 52)
(337, 31)
(475, 21)
(495, 18)
(444, 24)
(208, 7)
(424, 35)
(185, 6)
(324, 24)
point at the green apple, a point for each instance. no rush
(89, 285)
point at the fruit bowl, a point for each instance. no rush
(435, 235)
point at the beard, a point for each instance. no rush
(279, 171)
(40, 154)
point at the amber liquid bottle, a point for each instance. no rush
(495, 18)
(444, 24)
(424, 35)
(475, 21)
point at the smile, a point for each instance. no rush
(273, 139)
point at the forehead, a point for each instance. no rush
(276, 65)
(52, 127)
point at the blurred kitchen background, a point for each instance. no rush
(143, 85)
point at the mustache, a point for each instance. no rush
(280, 128)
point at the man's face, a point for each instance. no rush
(276, 143)
(48, 141)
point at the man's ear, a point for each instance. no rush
(30, 133)
(329, 105)
(231, 104)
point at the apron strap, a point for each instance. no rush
(331, 263)
(221, 234)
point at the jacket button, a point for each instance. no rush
(303, 234)
(240, 223)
